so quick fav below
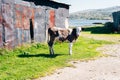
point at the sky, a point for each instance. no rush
(79, 5)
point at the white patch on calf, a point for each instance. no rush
(70, 31)
(78, 30)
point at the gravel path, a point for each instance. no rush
(102, 69)
(105, 68)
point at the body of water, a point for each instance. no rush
(79, 22)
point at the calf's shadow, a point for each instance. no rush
(39, 55)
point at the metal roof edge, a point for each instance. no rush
(60, 2)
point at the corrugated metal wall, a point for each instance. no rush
(40, 25)
(8, 25)
(21, 22)
(1, 27)
(15, 23)
(60, 16)
(23, 14)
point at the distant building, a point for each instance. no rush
(28, 20)
(116, 19)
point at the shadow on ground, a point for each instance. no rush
(39, 55)
(99, 30)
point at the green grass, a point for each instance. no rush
(99, 30)
(29, 62)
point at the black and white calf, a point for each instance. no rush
(62, 35)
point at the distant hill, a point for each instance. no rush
(95, 13)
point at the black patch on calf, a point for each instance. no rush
(53, 33)
(74, 32)
(73, 36)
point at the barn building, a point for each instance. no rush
(25, 21)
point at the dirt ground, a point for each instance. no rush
(104, 68)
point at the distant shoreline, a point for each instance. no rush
(99, 14)
(83, 22)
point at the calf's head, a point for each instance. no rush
(76, 31)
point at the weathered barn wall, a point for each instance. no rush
(8, 1)
(8, 26)
(1, 27)
(51, 18)
(24, 22)
(39, 29)
(60, 10)
(60, 17)
(15, 23)
(116, 19)
(23, 14)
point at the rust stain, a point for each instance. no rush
(52, 18)
(25, 23)
(0, 18)
(23, 17)
(18, 13)
(18, 19)
(0, 38)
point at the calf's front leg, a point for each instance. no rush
(50, 43)
(70, 48)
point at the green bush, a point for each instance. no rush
(109, 26)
